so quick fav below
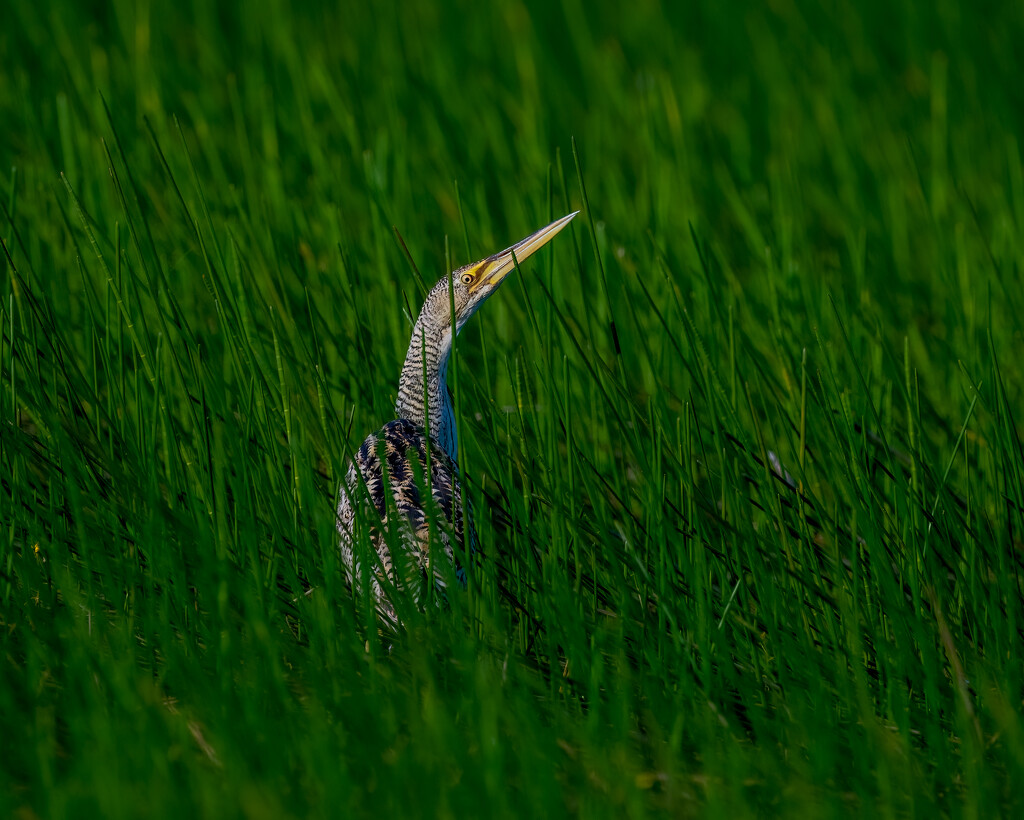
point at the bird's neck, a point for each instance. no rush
(422, 389)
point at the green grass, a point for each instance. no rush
(802, 233)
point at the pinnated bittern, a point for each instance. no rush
(395, 461)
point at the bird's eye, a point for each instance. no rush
(466, 278)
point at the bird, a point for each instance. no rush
(419, 449)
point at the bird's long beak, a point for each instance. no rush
(493, 269)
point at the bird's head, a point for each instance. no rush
(472, 284)
(426, 363)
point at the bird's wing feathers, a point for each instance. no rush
(403, 446)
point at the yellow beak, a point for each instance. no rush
(493, 269)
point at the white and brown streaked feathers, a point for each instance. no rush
(396, 457)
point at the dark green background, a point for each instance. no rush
(800, 234)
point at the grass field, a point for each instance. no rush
(744, 445)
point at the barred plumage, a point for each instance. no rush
(396, 457)
(397, 454)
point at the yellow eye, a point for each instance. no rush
(467, 278)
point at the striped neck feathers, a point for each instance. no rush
(426, 364)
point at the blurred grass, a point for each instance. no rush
(801, 235)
